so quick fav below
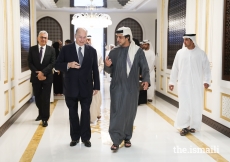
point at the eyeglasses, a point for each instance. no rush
(43, 37)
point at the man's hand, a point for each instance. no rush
(58, 71)
(108, 61)
(40, 75)
(145, 85)
(60, 44)
(171, 87)
(206, 85)
(95, 92)
(74, 65)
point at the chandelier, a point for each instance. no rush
(91, 19)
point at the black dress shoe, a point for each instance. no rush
(38, 118)
(74, 143)
(87, 143)
(44, 123)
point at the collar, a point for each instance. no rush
(39, 46)
(77, 46)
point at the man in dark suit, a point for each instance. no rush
(79, 64)
(41, 60)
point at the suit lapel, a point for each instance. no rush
(46, 53)
(86, 53)
(37, 55)
(75, 56)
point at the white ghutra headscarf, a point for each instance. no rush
(192, 37)
(132, 47)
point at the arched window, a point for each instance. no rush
(53, 28)
(134, 26)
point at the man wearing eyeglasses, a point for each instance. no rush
(41, 59)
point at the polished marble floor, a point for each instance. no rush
(154, 138)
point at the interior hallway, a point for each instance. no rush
(154, 137)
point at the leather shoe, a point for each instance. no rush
(87, 143)
(74, 143)
(38, 118)
(44, 123)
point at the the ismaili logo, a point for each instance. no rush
(191, 149)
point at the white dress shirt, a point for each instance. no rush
(43, 51)
(82, 49)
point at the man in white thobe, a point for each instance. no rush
(192, 71)
(150, 57)
(95, 107)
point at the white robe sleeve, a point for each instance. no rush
(206, 70)
(174, 71)
(152, 63)
(99, 61)
(100, 64)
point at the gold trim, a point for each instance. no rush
(5, 42)
(12, 98)
(24, 97)
(162, 31)
(170, 92)
(34, 142)
(205, 100)
(221, 116)
(191, 137)
(161, 84)
(12, 42)
(6, 93)
(207, 26)
(23, 82)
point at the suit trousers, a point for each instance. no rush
(42, 98)
(79, 128)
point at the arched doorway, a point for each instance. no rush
(52, 26)
(133, 25)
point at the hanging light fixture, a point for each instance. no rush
(91, 19)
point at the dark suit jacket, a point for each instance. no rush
(79, 82)
(46, 66)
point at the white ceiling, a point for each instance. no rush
(137, 6)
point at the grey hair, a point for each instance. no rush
(81, 28)
(43, 32)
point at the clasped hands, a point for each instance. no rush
(40, 75)
(74, 65)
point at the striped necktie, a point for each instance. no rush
(80, 56)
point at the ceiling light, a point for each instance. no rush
(91, 19)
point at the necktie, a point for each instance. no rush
(41, 53)
(80, 56)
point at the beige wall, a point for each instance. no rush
(205, 18)
(15, 88)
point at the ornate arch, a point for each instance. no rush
(52, 26)
(133, 25)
